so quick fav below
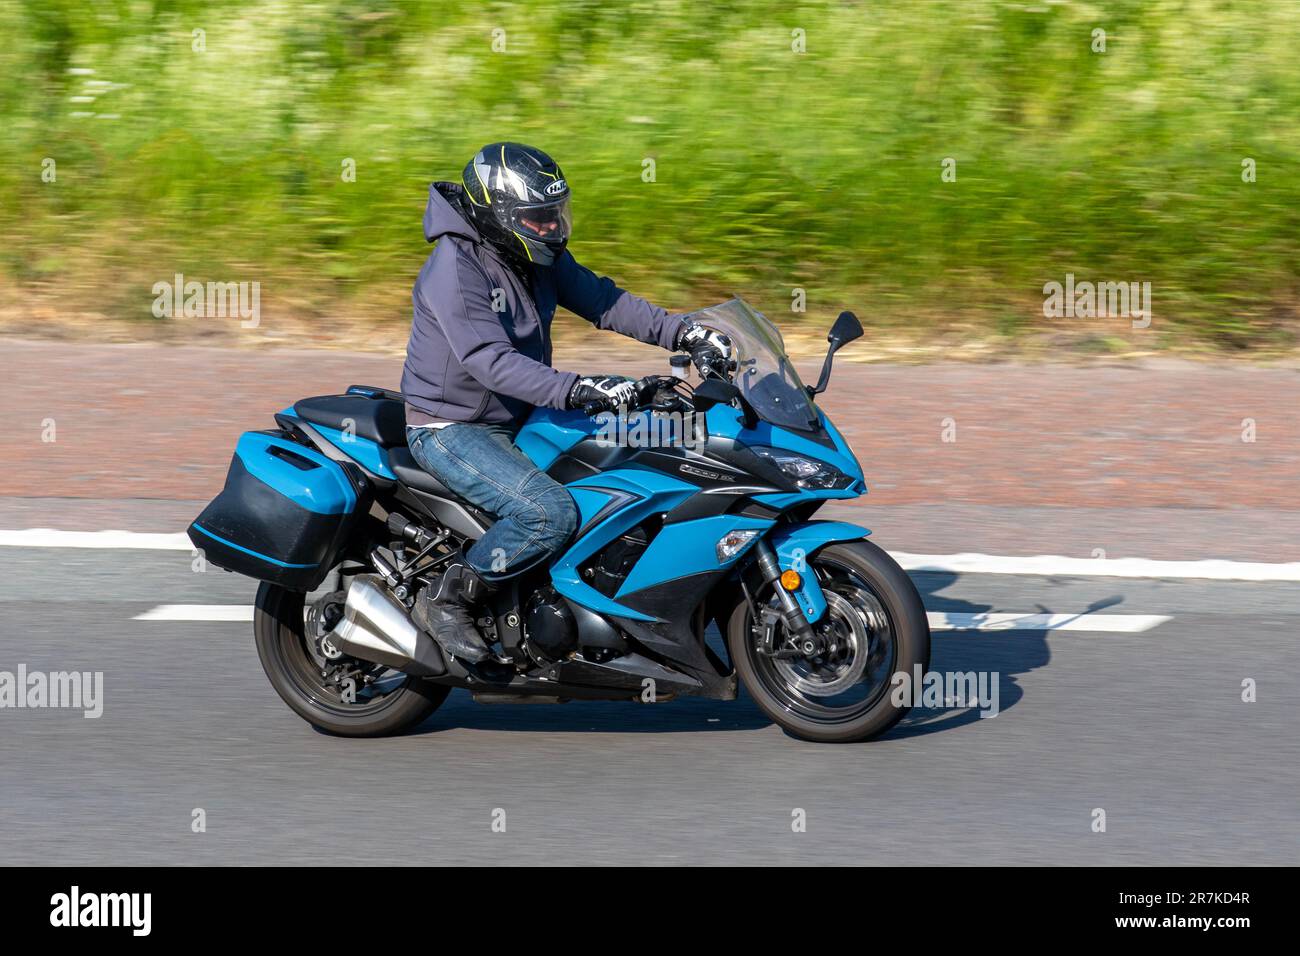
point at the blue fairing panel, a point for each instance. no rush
(549, 433)
(726, 421)
(795, 543)
(609, 505)
(689, 547)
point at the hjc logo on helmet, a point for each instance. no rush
(555, 188)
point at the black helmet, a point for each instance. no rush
(519, 201)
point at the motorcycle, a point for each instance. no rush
(696, 507)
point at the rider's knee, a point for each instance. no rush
(561, 513)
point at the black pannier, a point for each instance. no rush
(283, 516)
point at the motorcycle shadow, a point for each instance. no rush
(1008, 654)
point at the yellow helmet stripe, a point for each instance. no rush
(524, 244)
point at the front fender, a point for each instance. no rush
(793, 544)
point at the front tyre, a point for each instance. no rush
(874, 627)
(331, 691)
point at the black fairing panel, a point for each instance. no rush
(673, 638)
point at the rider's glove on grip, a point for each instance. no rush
(601, 392)
(705, 346)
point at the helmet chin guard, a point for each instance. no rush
(519, 202)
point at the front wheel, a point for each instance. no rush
(332, 691)
(874, 627)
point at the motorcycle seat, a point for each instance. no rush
(447, 506)
(380, 420)
(409, 473)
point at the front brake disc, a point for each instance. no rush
(832, 679)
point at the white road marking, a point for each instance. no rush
(1055, 565)
(1012, 621)
(939, 620)
(126, 540)
(1043, 565)
(198, 612)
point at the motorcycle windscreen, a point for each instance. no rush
(764, 373)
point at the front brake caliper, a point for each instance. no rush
(769, 618)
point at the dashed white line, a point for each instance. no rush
(113, 540)
(1055, 565)
(197, 612)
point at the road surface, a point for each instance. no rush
(1148, 726)
(1130, 704)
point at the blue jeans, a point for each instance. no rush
(535, 514)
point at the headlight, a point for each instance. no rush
(805, 472)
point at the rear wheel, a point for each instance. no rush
(874, 627)
(330, 690)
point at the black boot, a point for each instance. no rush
(444, 610)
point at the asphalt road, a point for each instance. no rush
(1148, 726)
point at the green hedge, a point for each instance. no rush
(773, 169)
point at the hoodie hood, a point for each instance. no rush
(442, 216)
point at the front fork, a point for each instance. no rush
(787, 548)
(801, 639)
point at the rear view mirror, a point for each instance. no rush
(845, 330)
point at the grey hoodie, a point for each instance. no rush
(480, 345)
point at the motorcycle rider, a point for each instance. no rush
(479, 359)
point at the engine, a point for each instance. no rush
(607, 569)
(549, 626)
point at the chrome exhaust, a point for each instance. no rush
(377, 628)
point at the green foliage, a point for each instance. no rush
(774, 169)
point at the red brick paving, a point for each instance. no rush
(150, 421)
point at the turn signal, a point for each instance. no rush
(790, 580)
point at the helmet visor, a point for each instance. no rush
(549, 222)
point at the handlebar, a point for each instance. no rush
(716, 366)
(659, 393)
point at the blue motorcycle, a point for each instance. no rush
(696, 508)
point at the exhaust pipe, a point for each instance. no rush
(377, 628)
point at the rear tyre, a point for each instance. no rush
(876, 623)
(331, 691)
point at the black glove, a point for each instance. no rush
(601, 393)
(708, 349)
